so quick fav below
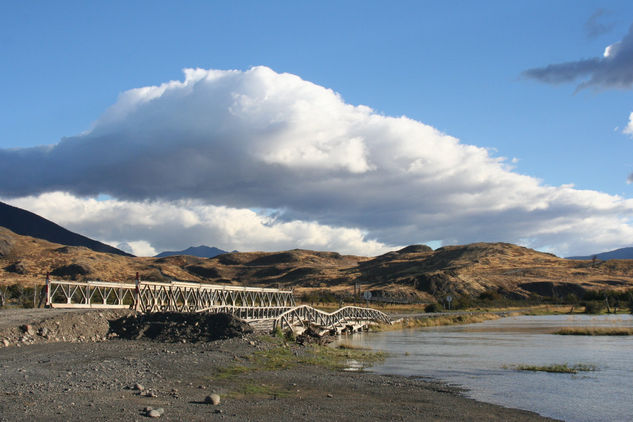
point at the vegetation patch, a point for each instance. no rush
(595, 331)
(435, 321)
(259, 390)
(555, 368)
(282, 355)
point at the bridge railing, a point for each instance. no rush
(147, 296)
(305, 314)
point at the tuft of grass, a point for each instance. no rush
(349, 346)
(595, 331)
(558, 368)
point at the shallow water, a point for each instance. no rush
(480, 356)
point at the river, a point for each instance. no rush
(480, 357)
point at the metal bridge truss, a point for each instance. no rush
(270, 308)
(146, 296)
(299, 318)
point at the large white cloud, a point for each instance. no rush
(229, 142)
(146, 228)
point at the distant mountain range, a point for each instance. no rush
(26, 223)
(622, 253)
(199, 251)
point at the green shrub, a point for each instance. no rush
(433, 307)
(594, 307)
(491, 295)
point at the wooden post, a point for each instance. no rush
(137, 292)
(48, 290)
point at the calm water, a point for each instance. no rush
(474, 356)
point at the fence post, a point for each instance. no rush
(48, 290)
(137, 293)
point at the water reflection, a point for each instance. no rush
(479, 357)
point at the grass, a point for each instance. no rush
(558, 368)
(252, 389)
(595, 331)
(282, 355)
(349, 346)
(435, 321)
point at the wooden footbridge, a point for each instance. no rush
(264, 308)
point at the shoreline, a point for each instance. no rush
(69, 381)
(258, 377)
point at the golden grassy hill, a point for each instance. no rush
(417, 270)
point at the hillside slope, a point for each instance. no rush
(622, 253)
(413, 272)
(26, 223)
(199, 251)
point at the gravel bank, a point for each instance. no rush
(119, 380)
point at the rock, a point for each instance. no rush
(329, 396)
(154, 413)
(138, 387)
(5, 342)
(28, 329)
(43, 331)
(213, 399)
(147, 409)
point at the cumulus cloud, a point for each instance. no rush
(614, 69)
(146, 228)
(198, 160)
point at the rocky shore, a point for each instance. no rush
(246, 377)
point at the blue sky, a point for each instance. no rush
(457, 66)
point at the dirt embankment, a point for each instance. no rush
(25, 327)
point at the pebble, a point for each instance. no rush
(213, 399)
(138, 387)
(5, 342)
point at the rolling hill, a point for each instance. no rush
(415, 272)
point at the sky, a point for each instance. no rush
(357, 126)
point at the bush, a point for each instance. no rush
(463, 302)
(433, 307)
(594, 307)
(490, 295)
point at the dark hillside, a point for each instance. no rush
(26, 223)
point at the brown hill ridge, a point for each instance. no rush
(414, 271)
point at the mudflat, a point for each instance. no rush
(119, 380)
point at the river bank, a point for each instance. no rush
(258, 378)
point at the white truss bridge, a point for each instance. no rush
(264, 308)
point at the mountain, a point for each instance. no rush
(199, 251)
(623, 253)
(26, 223)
